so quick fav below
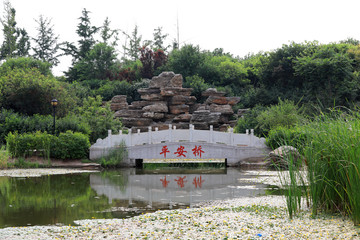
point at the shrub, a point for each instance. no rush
(70, 145)
(285, 113)
(67, 145)
(27, 144)
(15, 122)
(112, 88)
(280, 136)
(100, 118)
(115, 156)
(198, 85)
(249, 121)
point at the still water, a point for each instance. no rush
(62, 199)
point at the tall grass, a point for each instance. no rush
(4, 156)
(333, 156)
(332, 153)
(115, 156)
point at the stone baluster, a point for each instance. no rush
(231, 135)
(251, 137)
(109, 139)
(170, 133)
(191, 132)
(129, 137)
(149, 135)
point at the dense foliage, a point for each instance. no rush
(67, 145)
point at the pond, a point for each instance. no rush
(62, 199)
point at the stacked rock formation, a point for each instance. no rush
(167, 102)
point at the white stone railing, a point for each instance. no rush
(181, 135)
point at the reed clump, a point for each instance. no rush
(331, 152)
(4, 157)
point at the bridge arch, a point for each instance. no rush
(183, 145)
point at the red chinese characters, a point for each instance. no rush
(164, 150)
(197, 151)
(198, 181)
(181, 181)
(180, 152)
(165, 183)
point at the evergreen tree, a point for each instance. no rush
(159, 39)
(23, 44)
(16, 40)
(107, 34)
(46, 42)
(133, 51)
(86, 33)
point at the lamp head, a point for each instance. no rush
(54, 102)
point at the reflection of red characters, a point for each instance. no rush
(180, 152)
(198, 182)
(197, 150)
(164, 150)
(164, 182)
(181, 181)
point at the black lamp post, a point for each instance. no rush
(54, 103)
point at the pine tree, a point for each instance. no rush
(159, 39)
(86, 33)
(108, 34)
(133, 51)
(16, 41)
(46, 42)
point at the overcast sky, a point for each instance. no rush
(237, 26)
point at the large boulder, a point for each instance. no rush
(150, 94)
(160, 107)
(179, 109)
(223, 109)
(153, 115)
(205, 116)
(136, 122)
(129, 113)
(166, 79)
(181, 99)
(118, 102)
(183, 118)
(220, 100)
(280, 157)
(212, 92)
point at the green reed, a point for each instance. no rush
(4, 156)
(332, 156)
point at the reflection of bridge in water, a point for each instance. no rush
(163, 146)
(172, 189)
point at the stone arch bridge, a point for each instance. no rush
(183, 145)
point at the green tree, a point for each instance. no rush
(133, 50)
(97, 64)
(16, 40)
(23, 45)
(86, 42)
(107, 34)
(159, 39)
(187, 61)
(27, 91)
(46, 42)
(26, 63)
(327, 75)
(100, 118)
